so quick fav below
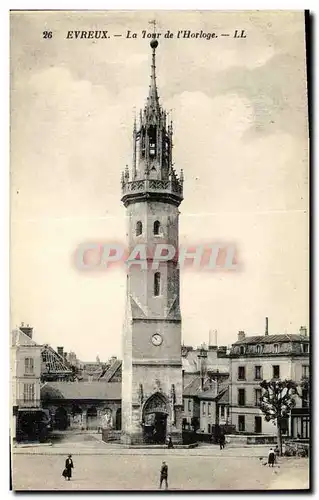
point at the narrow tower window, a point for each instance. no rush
(139, 228)
(157, 284)
(157, 226)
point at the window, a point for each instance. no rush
(305, 348)
(157, 284)
(305, 398)
(241, 423)
(258, 425)
(276, 348)
(152, 149)
(259, 349)
(209, 431)
(156, 228)
(28, 366)
(28, 392)
(305, 371)
(204, 408)
(241, 397)
(209, 408)
(222, 411)
(139, 228)
(258, 373)
(241, 373)
(189, 405)
(242, 349)
(275, 371)
(257, 397)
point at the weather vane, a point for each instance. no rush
(153, 21)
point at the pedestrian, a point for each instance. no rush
(164, 475)
(222, 441)
(67, 472)
(271, 457)
(170, 443)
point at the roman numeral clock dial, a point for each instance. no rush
(157, 339)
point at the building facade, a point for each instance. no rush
(28, 421)
(83, 406)
(265, 357)
(152, 366)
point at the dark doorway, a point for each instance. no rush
(258, 425)
(33, 425)
(155, 428)
(118, 419)
(92, 418)
(61, 419)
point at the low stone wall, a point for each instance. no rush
(110, 435)
(257, 439)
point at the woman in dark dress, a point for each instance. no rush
(67, 473)
(271, 457)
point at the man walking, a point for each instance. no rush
(222, 441)
(164, 475)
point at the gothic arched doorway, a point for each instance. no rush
(155, 413)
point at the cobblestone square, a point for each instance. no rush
(207, 469)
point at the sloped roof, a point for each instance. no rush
(192, 388)
(109, 374)
(208, 394)
(81, 390)
(19, 338)
(52, 362)
(271, 339)
(223, 397)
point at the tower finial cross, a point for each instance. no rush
(153, 21)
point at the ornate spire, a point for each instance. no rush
(153, 102)
(152, 173)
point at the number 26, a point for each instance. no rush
(47, 34)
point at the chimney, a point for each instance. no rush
(202, 356)
(303, 331)
(266, 327)
(241, 335)
(222, 350)
(212, 338)
(27, 330)
(60, 351)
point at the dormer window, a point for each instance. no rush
(305, 348)
(276, 348)
(259, 349)
(242, 349)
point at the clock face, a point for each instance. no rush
(157, 339)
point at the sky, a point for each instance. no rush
(239, 108)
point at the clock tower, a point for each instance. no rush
(152, 366)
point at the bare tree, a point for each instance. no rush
(276, 402)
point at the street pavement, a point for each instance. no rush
(104, 467)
